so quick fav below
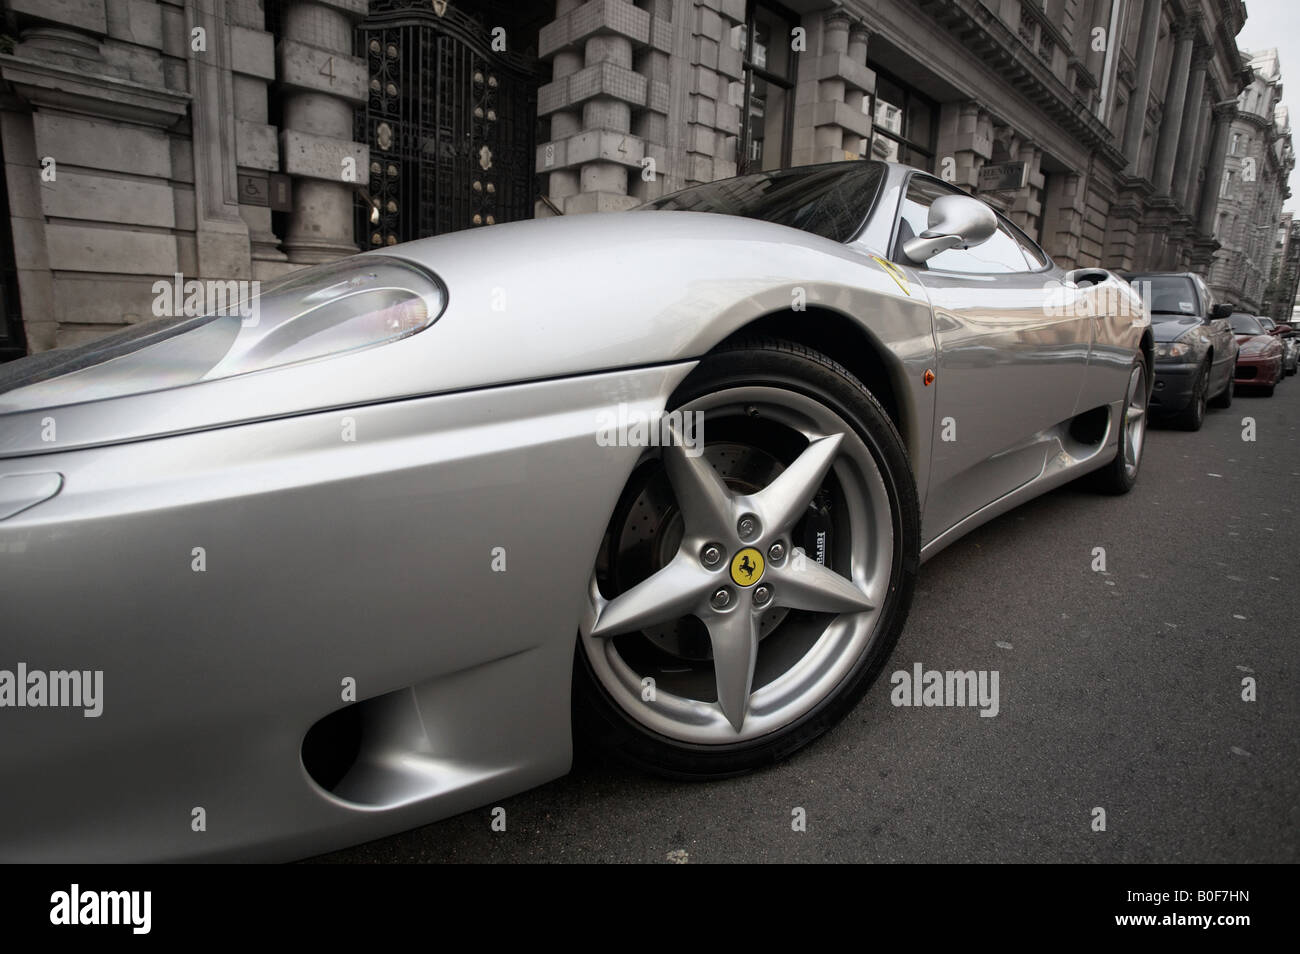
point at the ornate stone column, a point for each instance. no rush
(966, 134)
(1185, 161)
(1171, 123)
(1223, 116)
(651, 125)
(832, 85)
(592, 46)
(221, 235)
(257, 143)
(1027, 204)
(856, 97)
(322, 83)
(828, 138)
(1197, 164)
(566, 118)
(1135, 119)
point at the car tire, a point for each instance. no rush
(1224, 398)
(1193, 417)
(1119, 476)
(1268, 389)
(753, 394)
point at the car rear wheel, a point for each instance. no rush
(1121, 474)
(1194, 416)
(749, 590)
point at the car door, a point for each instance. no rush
(1222, 340)
(1012, 341)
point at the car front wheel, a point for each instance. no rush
(1192, 418)
(1224, 400)
(750, 588)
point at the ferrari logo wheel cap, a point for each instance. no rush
(747, 567)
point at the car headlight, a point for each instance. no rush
(1173, 349)
(315, 313)
(330, 310)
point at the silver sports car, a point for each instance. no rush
(372, 548)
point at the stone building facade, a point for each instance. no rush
(1284, 286)
(1259, 161)
(240, 139)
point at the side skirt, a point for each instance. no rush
(1067, 459)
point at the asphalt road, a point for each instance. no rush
(1119, 690)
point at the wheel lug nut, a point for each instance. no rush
(721, 599)
(777, 553)
(762, 595)
(711, 555)
(747, 527)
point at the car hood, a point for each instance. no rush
(529, 300)
(1169, 327)
(1258, 344)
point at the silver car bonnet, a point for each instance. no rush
(526, 301)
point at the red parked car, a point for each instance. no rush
(1259, 362)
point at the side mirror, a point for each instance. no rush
(955, 221)
(1221, 310)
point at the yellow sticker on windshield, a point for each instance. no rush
(896, 273)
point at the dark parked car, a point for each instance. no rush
(1195, 348)
(1260, 362)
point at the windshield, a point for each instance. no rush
(831, 200)
(1267, 323)
(1246, 325)
(1169, 294)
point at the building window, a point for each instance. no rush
(769, 91)
(903, 124)
(1236, 139)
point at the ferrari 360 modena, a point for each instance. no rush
(374, 551)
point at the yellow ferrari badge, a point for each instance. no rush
(747, 567)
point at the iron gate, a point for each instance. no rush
(450, 123)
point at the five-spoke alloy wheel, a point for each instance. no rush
(750, 585)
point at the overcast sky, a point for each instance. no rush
(1276, 23)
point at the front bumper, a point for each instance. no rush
(1259, 371)
(1173, 387)
(324, 560)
